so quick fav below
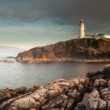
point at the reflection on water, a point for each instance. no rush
(22, 74)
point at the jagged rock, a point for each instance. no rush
(108, 104)
(49, 96)
(61, 94)
(109, 84)
(21, 90)
(80, 106)
(100, 83)
(74, 94)
(70, 104)
(55, 103)
(93, 100)
(105, 93)
(102, 104)
(103, 83)
(104, 74)
(34, 88)
(6, 94)
(80, 89)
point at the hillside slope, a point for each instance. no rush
(87, 50)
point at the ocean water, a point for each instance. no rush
(21, 74)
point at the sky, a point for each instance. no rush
(31, 23)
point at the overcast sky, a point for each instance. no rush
(30, 23)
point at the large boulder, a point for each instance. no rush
(6, 94)
(95, 102)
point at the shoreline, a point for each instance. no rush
(80, 93)
(66, 60)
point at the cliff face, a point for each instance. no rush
(73, 50)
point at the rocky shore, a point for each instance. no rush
(89, 93)
(7, 61)
(80, 50)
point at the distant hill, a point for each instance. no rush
(82, 50)
(2, 47)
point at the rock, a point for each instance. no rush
(21, 90)
(24, 103)
(100, 83)
(80, 89)
(80, 106)
(74, 94)
(61, 94)
(6, 94)
(55, 103)
(104, 74)
(108, 105)
(105, 93)
(70, 104)
(103, 83)
(109, 84)
(102, 104)
(93, 100)
(97, 83)
(34, 88)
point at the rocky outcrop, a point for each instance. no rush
(74, 94)
(95, 102)
(86, 50)
(104, 74)
(61, 95)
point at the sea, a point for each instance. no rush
(14, 75)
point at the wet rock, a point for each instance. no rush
(21, 90)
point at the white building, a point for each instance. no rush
(82, 32)
(98, 36)
(106, 36)
(82, 29)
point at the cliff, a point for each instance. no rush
(87, 50)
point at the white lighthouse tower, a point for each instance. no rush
(82, 29)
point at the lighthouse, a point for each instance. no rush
(82, 29)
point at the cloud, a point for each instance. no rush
(63, 12)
